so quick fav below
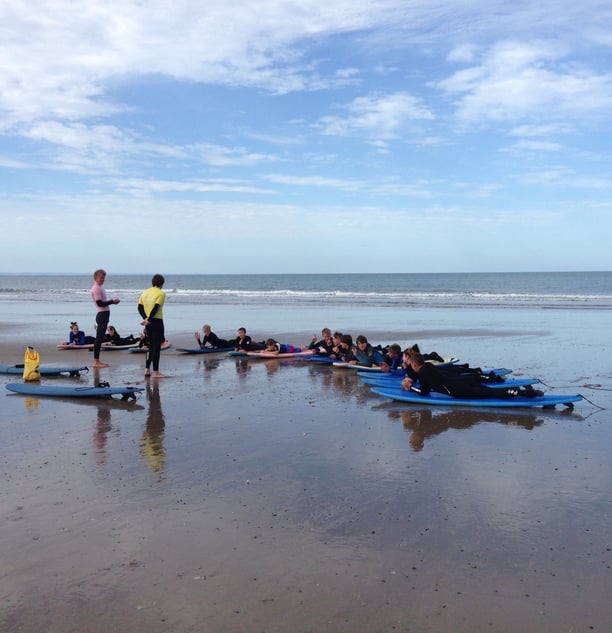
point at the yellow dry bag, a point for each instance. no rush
(31, 364)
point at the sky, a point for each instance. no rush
(305, 136)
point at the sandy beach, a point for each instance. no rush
(282, 496)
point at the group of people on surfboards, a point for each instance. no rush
(243, 342)
(424, 373)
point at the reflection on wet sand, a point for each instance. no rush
(99, 439)
(342, 383)
(32, 404)
(242, 367)
(423, 423)
(209, 365)
(272, 365)
(152, 444)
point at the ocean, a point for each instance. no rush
(585, 290)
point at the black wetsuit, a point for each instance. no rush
(248, 345)
(432, 378)
(214, 341)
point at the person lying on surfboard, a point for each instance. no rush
(346, 349)
(455, 368)
(392, 360)
(210, 339)
(114, 338)
(274, 347)
(466, 386)
(77, 337)
(364, 354)
(323, 346)
(336, 349)
(244, 343)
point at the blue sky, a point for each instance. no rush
(306, 136)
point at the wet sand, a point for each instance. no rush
(282, 496)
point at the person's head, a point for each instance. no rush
(407, 356)
(270, 343)
(158, 280)
(394, 351)
(417, 361)
(206, 329)
(325, 333)
(411, 351)
(111, 330)
(362, 341)
(74, 326)
(337, 337)
(99, 276)
(241, 332)
(346, 340)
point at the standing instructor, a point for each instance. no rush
(98, 294)
(151, 309)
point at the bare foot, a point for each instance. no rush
(98, 364)
(147, 373)
(158, 374)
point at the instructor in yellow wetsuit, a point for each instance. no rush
(151, 309)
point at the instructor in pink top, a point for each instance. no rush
(98, 294)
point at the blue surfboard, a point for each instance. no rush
(546, 401)
(30, 389)
(394, 373)
(44, 371)
(394, 382)
(137, 349)
(109, 347)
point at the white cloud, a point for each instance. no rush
(388, 187)
(537, 146)
(517, 80)
(565, 177)
(315, 181)
(544, 129)
(80, 137)
(218, 156)
(381, 117)
(140, 186)
(103, 148)
(59, 62)
(347, 73)
(11, 163)
(464, 53)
